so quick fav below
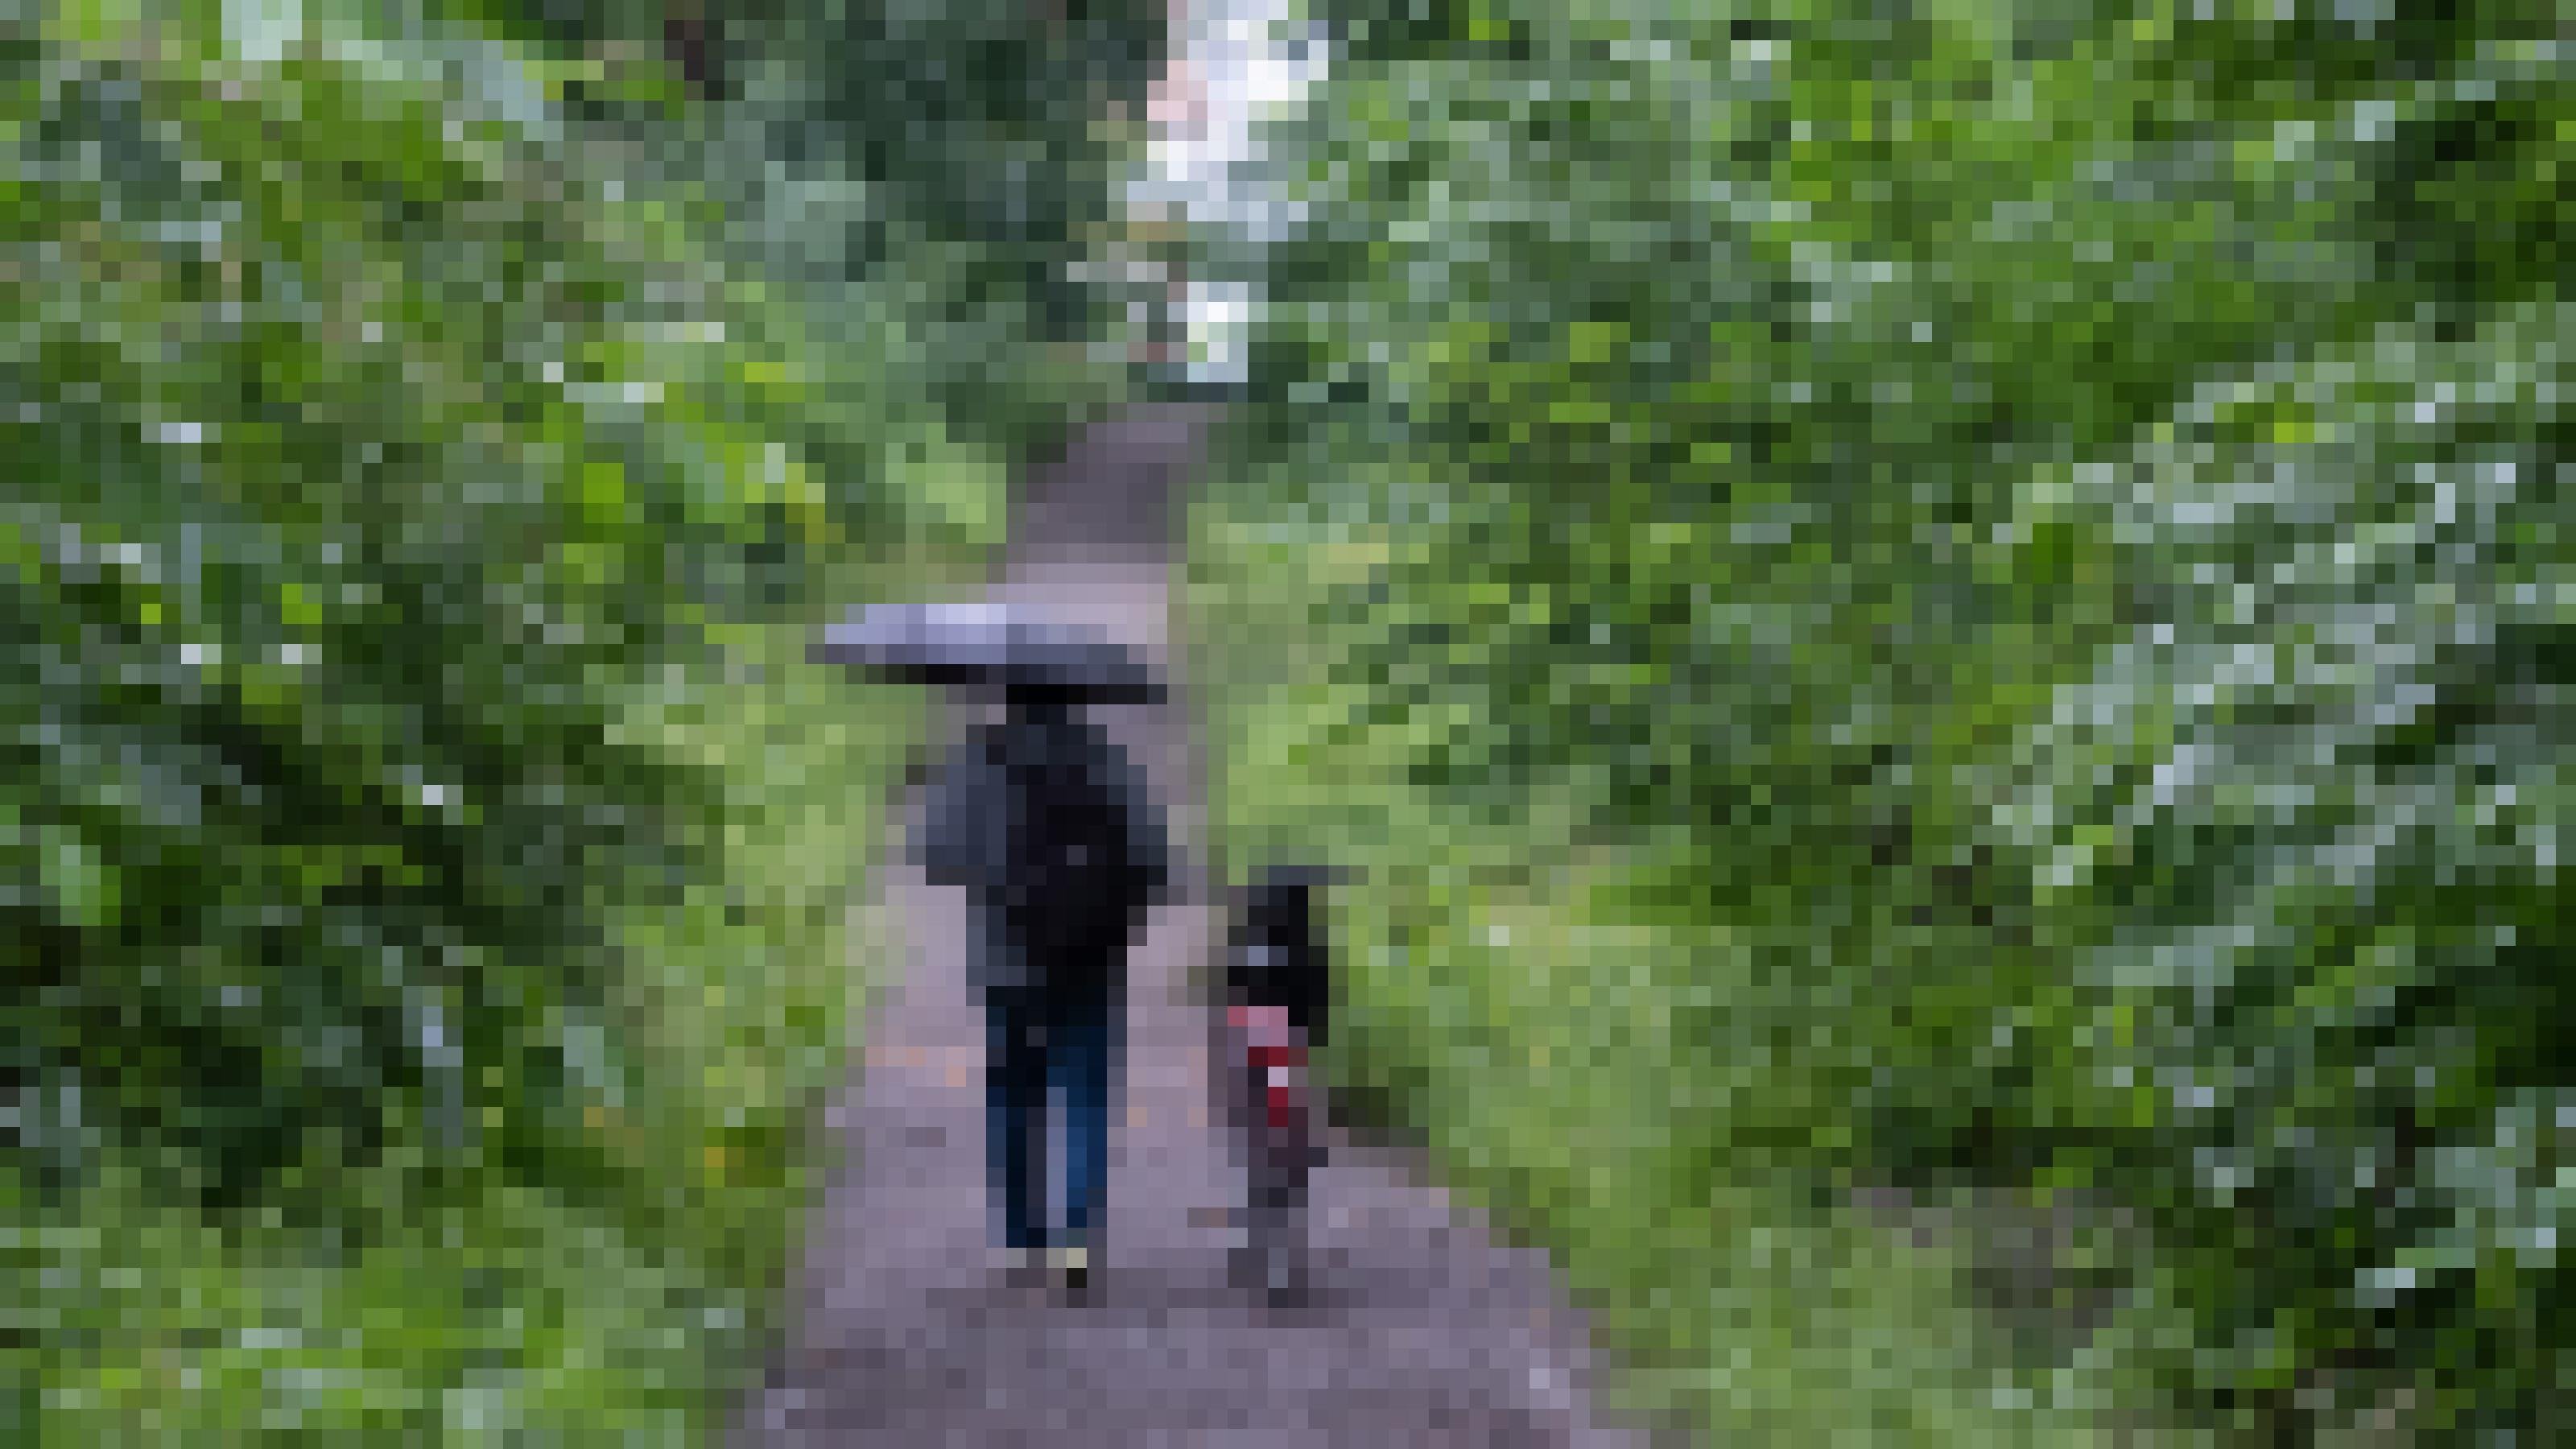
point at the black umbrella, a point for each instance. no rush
(991, 646)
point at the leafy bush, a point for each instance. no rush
(419, 867)
(330, 540)
(2047, 525)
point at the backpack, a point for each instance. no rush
(1047, 824)
(1083, 845)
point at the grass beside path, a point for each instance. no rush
(1512, 1005)
(476, 1311)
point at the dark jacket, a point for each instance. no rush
(1048, 826)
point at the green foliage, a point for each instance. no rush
(421, 869)
(2046, 519)
(925, 178)
(2303, 820)
(954, 158)
(311, 563)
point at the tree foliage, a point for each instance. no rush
(338, 510)
(394, 417)
(2054, 512)
(933, 174)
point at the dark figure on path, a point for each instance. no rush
(1278, 990)
(1278, 956)
(1047, 824)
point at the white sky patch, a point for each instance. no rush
(1249, 62)
(1246, 63)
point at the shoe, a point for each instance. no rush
(1019, 1269)
(1073, 1268)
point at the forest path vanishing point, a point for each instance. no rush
(1422, 1328)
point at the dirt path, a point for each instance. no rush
(1423, 1330)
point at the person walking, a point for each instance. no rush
(1047, 825)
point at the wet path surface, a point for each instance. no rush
(1422, 1330)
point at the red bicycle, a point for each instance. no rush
(1277, 995)
(1277, 1129)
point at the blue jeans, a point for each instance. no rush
(1036, 1047)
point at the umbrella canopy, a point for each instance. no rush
(987, 645)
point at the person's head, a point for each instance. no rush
(1285, 890)
(1276, 908)
(1277, 955)
(1295, 885)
